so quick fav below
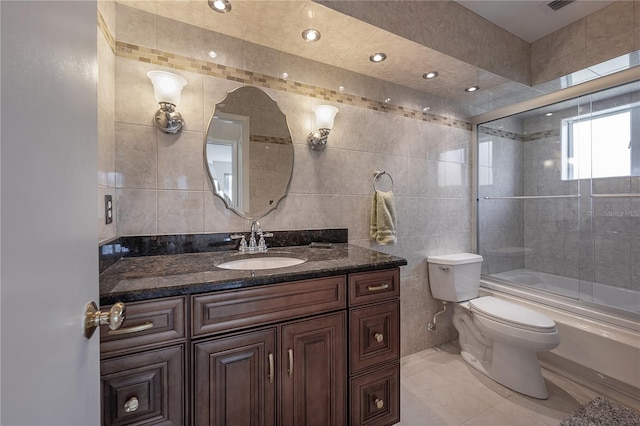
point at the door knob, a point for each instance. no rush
(93, 318)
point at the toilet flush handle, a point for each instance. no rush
(444, 268)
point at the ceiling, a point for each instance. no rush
(278, 25)
(532, 20)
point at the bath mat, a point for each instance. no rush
(602, 412)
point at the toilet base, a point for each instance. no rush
(518, 370)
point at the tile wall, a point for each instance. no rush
(606, 34)
(161, 186)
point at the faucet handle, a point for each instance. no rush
(236, 236)
(266, 234)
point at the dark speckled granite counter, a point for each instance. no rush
(148, 277)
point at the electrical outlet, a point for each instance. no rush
(108, 209)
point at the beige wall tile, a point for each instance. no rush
(135, 26)
(191, 101)
(106, 76)
(260, 59)
(180, 212)
(135, 102)
(611, 47)
(107, 8)
(136, 212)
(567, 40)
(106, 149)
(136, 154)
(228, 49)
(180, 162)
(296, 68)
(608, 22)
(180, 38)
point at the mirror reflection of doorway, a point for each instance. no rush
(226, 154)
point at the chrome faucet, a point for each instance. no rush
(253, 245)
(255, 229)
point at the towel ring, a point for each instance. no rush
(377, 174)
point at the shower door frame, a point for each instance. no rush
(603, 83)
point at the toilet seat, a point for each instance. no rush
(511, 314)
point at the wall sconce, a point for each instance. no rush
(325, 114)
(167, 88)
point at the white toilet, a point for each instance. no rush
(498, 338)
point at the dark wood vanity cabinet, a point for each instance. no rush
(314, 352)
(374, 347)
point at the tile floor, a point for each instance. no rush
(438, 388)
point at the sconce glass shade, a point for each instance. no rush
(167, 89)
(325, 114)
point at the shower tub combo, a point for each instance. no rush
(558, 224)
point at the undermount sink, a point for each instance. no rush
(261, 262)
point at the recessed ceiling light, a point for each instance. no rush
(220, 6)
(429, 75)
(311, 34)
(212, 54)
(549, 114)
(472, 89)
(378, 57)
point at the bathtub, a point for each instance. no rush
(599, 347)
(619, 298)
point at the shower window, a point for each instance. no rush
(601, 145)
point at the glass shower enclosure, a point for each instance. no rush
(558, 191)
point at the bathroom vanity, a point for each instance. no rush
(315, 343)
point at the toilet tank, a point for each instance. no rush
(455, 277)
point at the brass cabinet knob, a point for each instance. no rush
(379, 337)
(131, 405)
(379, 403)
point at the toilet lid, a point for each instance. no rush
(512, 314)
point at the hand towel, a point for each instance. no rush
(383, 218)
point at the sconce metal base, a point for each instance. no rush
(318, 139)
(168, 119)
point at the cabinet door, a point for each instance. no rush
(235, 380)
(313, 371)
(144, 389)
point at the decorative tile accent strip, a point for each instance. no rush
(554, 133)
(501, 133)
(184, 63)
(270, 139)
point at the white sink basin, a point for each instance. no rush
(253, 263)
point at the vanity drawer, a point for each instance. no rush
(145, 388)
(369, 287)
(229, 310)
(166, 315)
(375, 397)
(375, 335)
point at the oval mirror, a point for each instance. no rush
(249, 152)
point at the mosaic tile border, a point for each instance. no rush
(184, 63)
(554, 133)
(270, 139)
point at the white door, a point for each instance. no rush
(48, 210)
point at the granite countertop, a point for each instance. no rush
(150, 277)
